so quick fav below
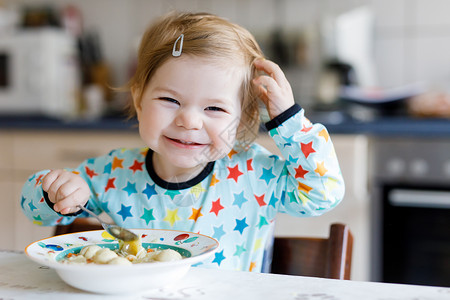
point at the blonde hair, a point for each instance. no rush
(206, 36)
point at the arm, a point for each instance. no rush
(50, 197)
(310, 181)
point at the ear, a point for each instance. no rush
(136, 95)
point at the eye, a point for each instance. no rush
(214, 108)
(169, 100)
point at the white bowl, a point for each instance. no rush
(114, 279)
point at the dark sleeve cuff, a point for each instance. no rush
(278, 120)
(51, 204)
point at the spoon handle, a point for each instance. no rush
(92, 214)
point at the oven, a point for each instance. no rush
(411, 210)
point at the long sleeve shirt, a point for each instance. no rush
(234, 199)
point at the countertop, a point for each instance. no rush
(22, 278)
(384, 126)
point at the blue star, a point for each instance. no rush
(31, 205)
(130, 188)
(32, 178)
(287, 145)
(104, 206)
(239, 199)
(283, 197)
(90, 161)
(125, 212)
(107, 169)
(218, 232)
(218, 257)
(22, 202)
(240, 225)
(149, 191)
(273, 200)
(267, 175)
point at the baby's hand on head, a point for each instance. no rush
(66, 190)
(273, 87)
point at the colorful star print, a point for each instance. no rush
(125, 212)
(216, 207)
(240, 225)
(130, 188)
(137, 166)
(149, 191)
(235, 202)
(234, 173)
(239, 199)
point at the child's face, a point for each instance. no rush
(189, 114)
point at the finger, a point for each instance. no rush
(269, 85)
(52, 191)
(48, 179)
(272, 70)
(69, 203)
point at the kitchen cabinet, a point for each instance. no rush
(352, 153)
(25, 152)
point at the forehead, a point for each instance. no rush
(189, 67)
(197, 77)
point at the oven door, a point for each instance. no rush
(416, 235)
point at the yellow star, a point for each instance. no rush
(195, 214)
(323, 133)
(214, 180)
(197, 189)
(331, 183)
(37, 222)
(172, 216)
(303, 198)
(257, 244)
(321, 170)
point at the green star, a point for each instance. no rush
(148, 215)
(239, 250)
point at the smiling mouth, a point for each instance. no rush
(185, 142)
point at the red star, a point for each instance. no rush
(307, 149)
(136, 166)
(260, 200)
(234, 173)
(110, 184)
(216, 207)
(249, 164)
(42, 200)
(90, 172)
(306, 129)
(300, 172)
(38, 180)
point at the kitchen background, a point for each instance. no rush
(362, 67)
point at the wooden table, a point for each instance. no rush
(21, 278)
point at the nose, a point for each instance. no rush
(189, 119)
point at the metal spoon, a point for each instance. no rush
(114, 230)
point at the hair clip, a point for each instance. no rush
(176, 52)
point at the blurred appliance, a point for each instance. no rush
(411, 218)
(38, 73)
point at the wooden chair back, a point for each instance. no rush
(80, 224)
(318, 257)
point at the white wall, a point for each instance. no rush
(412, 37)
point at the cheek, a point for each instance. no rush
(225, 133)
